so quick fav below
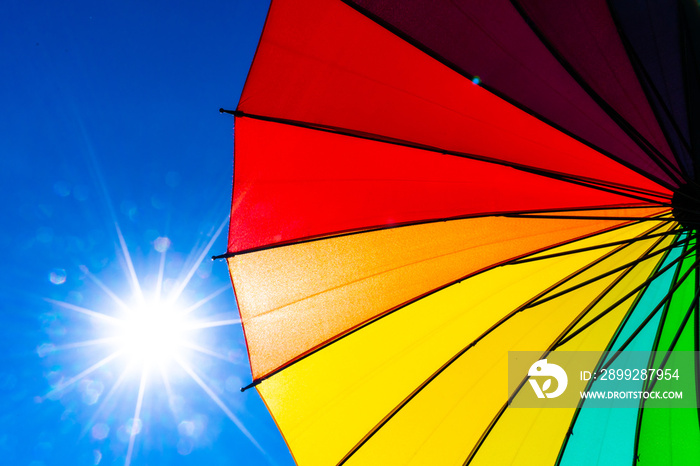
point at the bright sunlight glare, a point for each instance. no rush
(155, 336)
(153, 333)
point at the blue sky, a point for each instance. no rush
(110, 130)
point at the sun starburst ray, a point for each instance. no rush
(104, 288)
(203, 350)
(89, 370)
(219, 403)
(161, 274)
(168, 389)
(104, 403)
(83, 310)
(130, 271)
(206, 299)
(83, 344)
(204, 253)
(136, 423)
(217, 323)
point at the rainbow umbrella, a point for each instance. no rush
(423, 186)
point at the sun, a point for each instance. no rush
(154, 332)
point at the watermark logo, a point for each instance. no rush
(543, 369)
(597, 379)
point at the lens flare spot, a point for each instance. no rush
(45, 349)
(162, 244)
(61, 188)
(185, 446)
(58, 276)
(186, 428)
(92, 392)
(100, 431)
(133, 426)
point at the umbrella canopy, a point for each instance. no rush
(422, 186)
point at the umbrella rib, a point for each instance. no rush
(312, 351)
(655, 345)
(632, 132)
(449, 64)
(656, 269)
(578, 217)
(469, 346)
(685, 253)
(631, 293)
(652, 314)
(612, 342)
(600, 246)
(693, 307)
(627, 296)
(640, 412)
(344, 233)
(686, 64)
(665, 302)
(640, 69)
(606, 274)
(696, 343)
(641, 72)
(583, 181)
(664, 315)
(554, 345)
(676, 278)
(602, 184)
